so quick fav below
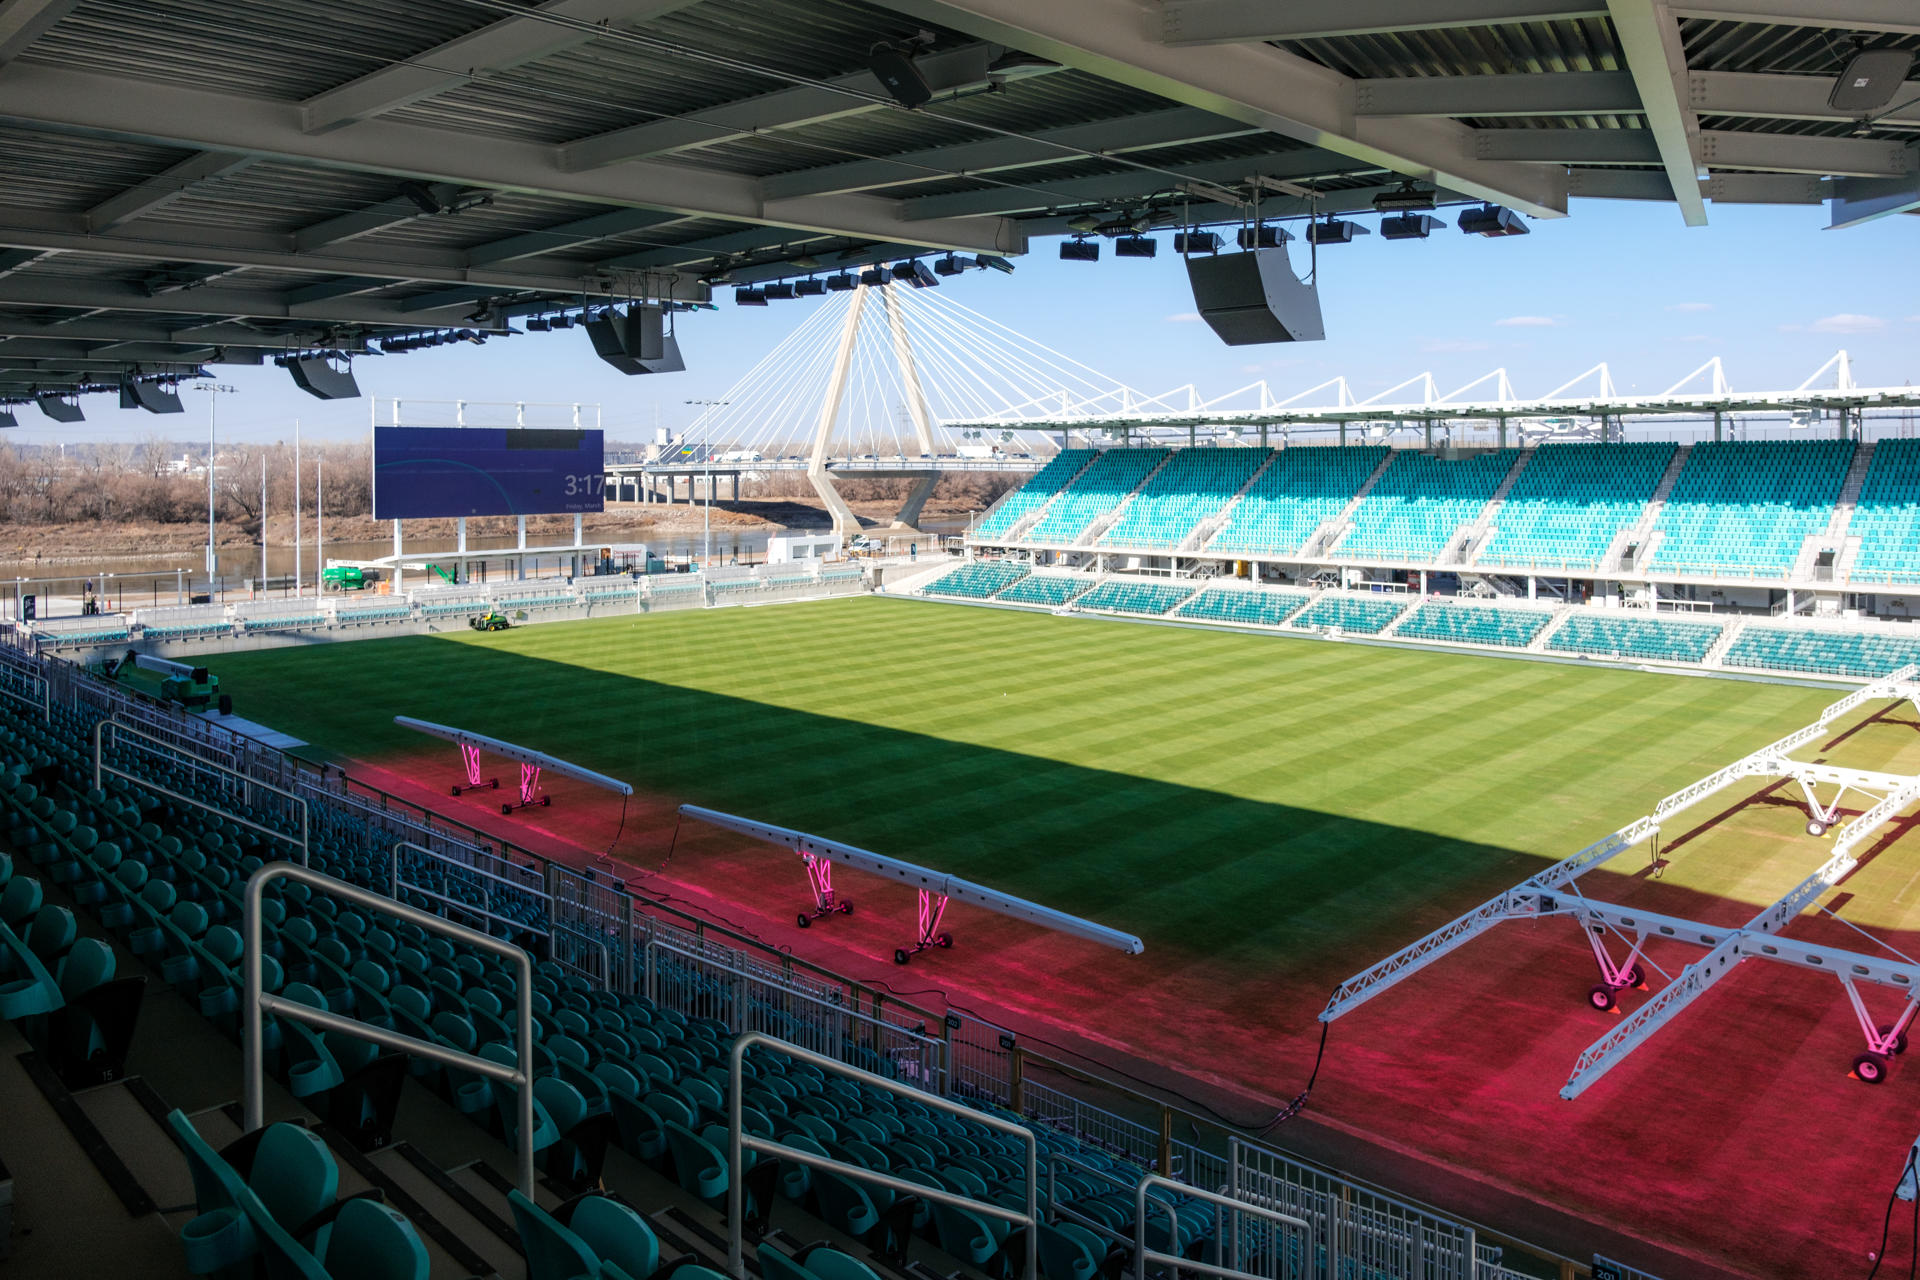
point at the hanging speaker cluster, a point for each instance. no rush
(60, 410)
(635, 341)
(150, 396)
(317, 376)
(1254, 297)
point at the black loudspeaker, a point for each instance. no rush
(150, 396)
(636, 342)
(315, 376)
(60, 410)
(7, 419)
(1254, 297)
(899, 77)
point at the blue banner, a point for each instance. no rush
(421, 472)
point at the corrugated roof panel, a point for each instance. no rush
(1583, 44)
(71, 174)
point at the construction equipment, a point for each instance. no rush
(166, 681)
(347, 577)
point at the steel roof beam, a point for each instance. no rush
(1174, 127)
(1898, 17)
(135, 329)
(854, 94)
(34, 230)
(1202, 22)
(250, 304)
(1300, 164)
(1256, 84)
(1858, 200)
(163, 189)
(1650, 40)
(1772, 152)
(1776, 97)
(1560, 93)
(1721, 188)
(24, 21)
(692, 251)
(511, 42)
(568, 235)
(375, 217)
(174, 115)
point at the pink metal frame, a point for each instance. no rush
(1614, 975)
(820, 880)
(529, 783)
(470, 756)
(932, 908)
(1883, 1044)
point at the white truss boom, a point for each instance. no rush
(1368, 983)
(522, 755)
(1604, 1054)
(937, 883)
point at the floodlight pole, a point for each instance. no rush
(299, 587)
(706, 445)
(216, 390)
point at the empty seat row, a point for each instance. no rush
(1034, 494)
(1650, 639)
(1146, 598)
(1475, 624)
(1365, 615)
(1570, 501)
(1104, 485)
(1300, 490)
(1260, 608)
(1420, 502)
(978, 579)
(1193, 486)
(1863, 655)
(1746, 509)
(1052, 590)
(1886, 518)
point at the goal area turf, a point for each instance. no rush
(1269, 815)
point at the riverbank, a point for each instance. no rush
(82, 543)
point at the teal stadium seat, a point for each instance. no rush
(1032, 495)
(1744, 510)
(1420, 502)
(1193, 486)
(1886, 518)
(1863, 655)
(1301, 490)
(1051, 590)
(1475, 624)
(1569, 503)
(1365, 615)
(979, 579)
(1247, 606)
(1151, 599)
(1649, 639)
(1103, 486)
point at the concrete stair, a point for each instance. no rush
(1641, 532)
(1464, 547)
(1204, 532)
(1092, 534)
(1324, 539)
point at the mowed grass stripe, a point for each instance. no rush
(1250, 796)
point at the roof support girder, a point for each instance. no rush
(249, 304)
(173, 115)
(135, 329)
(1256, 84)
(1770, 152)
(1650, 39)
(495, 47)
(1560, 93)
(1203, 22)
(568, 235)
(1893, 16)
(1176, 126)
(1858, 200)
(24, 21)
(163, 189)
(1299, 163)
(1775, 97)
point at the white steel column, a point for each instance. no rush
(521, 571)
(845, 523)
(909, 514)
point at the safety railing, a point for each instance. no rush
(258, 1003)
(739, 1142)
(248, 785)
(26, 688)
(1607, 1269)
(484, 911)
(1175, 1264)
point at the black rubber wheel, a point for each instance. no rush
(1634, 977)
(545, 801)
(846, 908)
(506, 808)
(1601, 997)
(806, 921)
(1870, 1068)
(456, 791)
(1816, 828)
(945, 940)
(900, 956)
(1900, 1043)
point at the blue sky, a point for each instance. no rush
(1764, 287)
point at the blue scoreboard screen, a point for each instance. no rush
(486, 471)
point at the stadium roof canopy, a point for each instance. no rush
(184, 182)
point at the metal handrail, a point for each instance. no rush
(739, 1142)
(396, 884)
(101, 768)
(258, 1002)
(1143, 1255)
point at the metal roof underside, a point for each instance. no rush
(189, 182)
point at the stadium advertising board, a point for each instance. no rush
(486, 471)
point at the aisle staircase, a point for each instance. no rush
(1324, 539)
(1218, 520)
(1466, 543)
(1641, 533)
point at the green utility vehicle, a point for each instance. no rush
(493, 620)
(162, 680)
(347, 577)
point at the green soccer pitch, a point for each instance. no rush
(1252, 794)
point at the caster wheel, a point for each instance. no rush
(545, 801)
(945, 940)
(1634, 977)
(901, 956)
(456, 790)
(1900, 1044)
(506, 809)
(1601, 997)
(846, 908)
(806, 921)
(1816, 829)
(1870, 1068)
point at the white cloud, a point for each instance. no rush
(1184, 317)
(1691, 306)
(1526, 322)
(1847, 322)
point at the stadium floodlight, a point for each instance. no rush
(1409, 226)
(840, 283)
(749, 298)
(874, 277)
(919, 277)
(1405, 198)
(538, 324)
(1078, 250)
(949, 266)
(1135, 247)
(936, 888)
(1196, 242)
(993, 262)
(809, 288)
(563, 321)
(531, 763)
(1263, 237)
(1334, 231)
(781, 292)
(1492, 220)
